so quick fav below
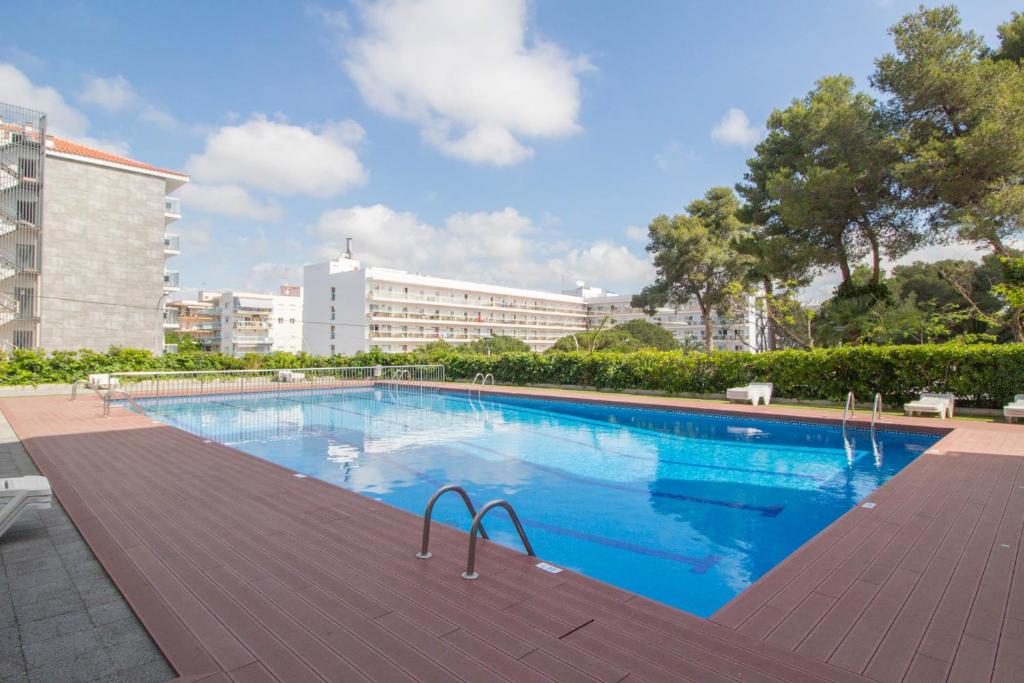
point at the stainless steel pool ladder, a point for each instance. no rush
(483, 382)
(470, 572)
(109, 397)
(74, 387)
(424, 552)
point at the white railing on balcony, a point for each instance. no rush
(251, 325)
(378, 294)
(171, 316)
(172, 243)
(171, 278)
(172, 207)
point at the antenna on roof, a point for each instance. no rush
(348, 247)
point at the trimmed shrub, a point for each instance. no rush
(982, 375)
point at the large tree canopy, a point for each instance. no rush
(823, 180)
(959, 110)
(696, 258)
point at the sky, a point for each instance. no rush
(506, 141)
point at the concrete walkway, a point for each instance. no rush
(61, 617)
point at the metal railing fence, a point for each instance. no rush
(141, 385)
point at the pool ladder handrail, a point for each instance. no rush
(849, 408)
(107, 400)
(424, 552)
(483, 382)
(477, 525)
(74, 387)
(876, 410)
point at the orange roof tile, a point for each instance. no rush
(68, 147)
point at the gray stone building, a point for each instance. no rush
(89, 269)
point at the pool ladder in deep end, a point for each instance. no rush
(476, 527)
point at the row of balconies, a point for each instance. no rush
(446, 336)
(378, 295)
(480, 320)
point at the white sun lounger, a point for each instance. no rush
(1015, 410)
(102, 381)
(753, 392)
(19, 494)
(290, 376)
(933, 404)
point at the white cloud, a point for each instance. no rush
(502, 247)
(470, 73)
(114, 94)
(636, 233)
(282, 158)
(734, 128)
(229, 200)
(62, 119)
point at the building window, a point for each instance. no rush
(332, 312)
(332, 331)
(25, 256)
(280, 321)
(24, 295)
(27, 168)
(27, 211)
(333, 293)
(332, 349)
(291, 321)
(23, 339)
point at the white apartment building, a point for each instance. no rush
(286, 319)
(735, 333)
(83, 242)
(349, 308)
(237, 323)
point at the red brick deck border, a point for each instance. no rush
(241, 571)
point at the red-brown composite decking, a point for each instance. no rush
(240, 570)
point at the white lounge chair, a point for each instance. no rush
(102, 381)
(753, 392)
(19, 494)
(932, 404)
(1015, 410)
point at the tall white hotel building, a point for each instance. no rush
(348, 307)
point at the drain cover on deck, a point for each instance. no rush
(549, 567)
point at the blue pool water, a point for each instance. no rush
(684, 508)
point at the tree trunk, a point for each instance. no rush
(876, 257)
(769, 323)
(1015, 324)
(705, 312)
(843, 258)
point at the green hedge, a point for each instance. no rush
(979, 375)
(986, 375)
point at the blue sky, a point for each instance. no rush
(520, 143)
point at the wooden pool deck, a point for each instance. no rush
(241, 571)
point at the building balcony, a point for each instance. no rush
(575, 312)
(171, 320)
(172, 245)
(454, 337)
(171, 279)
(252, 325)
(573, 326)
(172, 209)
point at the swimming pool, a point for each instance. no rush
(685, 508)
